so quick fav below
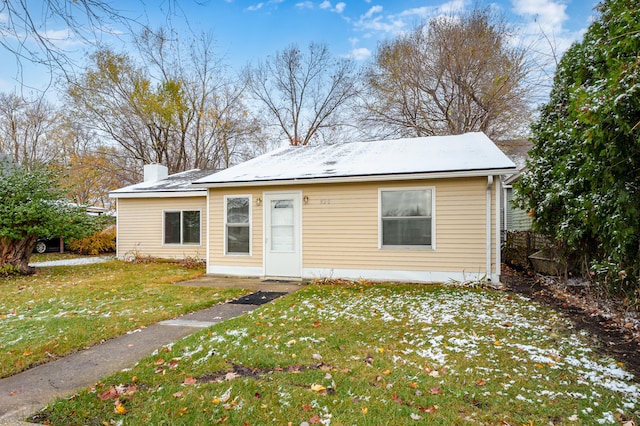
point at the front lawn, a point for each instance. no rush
(66, 308)
(370, 355)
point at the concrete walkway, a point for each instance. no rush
(23, 394)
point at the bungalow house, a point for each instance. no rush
(420, 209)
(163, 216)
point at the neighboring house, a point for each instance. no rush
(421, 209)
(163, 216)
(515, 218)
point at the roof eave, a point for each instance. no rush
(359, 178)
(195, 192)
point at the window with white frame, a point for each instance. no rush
(406, 218)
(182, 227)
(238, 224)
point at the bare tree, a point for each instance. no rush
(29, 130)
(304, 93)
(449, 76)
(177, 109)
(37, 32)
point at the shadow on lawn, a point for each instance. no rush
(609, 337)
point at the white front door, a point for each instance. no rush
(282, 238)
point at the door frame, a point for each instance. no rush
(267, 196)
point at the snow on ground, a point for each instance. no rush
(444, 325)
(71, 262)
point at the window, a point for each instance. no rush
(182, 227)
(238, 229)
(406, 217)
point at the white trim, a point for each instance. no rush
(224, 223)
(392, 275)
(498, 231)
(241, 271)
(349, 179)
(355, 274)
(117, 232)
(207, 248)
(196, 192)
(180, 244)
(432, 246)
(488, 218)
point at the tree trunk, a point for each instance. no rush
(17, 253)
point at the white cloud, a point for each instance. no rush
(549, 15)
(255, 7)
(372, 11)
(305, 5)
(360, 54)
(326, 4)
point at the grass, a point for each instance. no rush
(63, 309)
(370, 355)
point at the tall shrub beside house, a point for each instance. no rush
(583, 180)
(32, 206)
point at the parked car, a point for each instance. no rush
(47, 245)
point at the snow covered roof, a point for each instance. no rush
(466, 154)
(178, 184)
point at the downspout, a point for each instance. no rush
(498, 232)
(117, 228)
(207, 249)
(488, 249)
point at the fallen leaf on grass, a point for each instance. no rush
(306, 407)
(414, 416)
(178, 394)
(435, 390)
(120, 409)
(111, 393)
(190, 381)
(315, 419)
(396, 398)
(428, 410)
(318, 388)
(364, 410)
(481, 382)
(231, 375)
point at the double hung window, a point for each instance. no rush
(238, 225)
(406, 217)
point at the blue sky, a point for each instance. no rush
(249, 30)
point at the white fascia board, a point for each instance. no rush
(354, 179)
(160, 194)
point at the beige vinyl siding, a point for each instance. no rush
(340, 227)
(140, 227)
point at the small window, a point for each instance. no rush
(182, 227)
(238, 221)
(406, 217)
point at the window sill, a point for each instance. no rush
(421, 248)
